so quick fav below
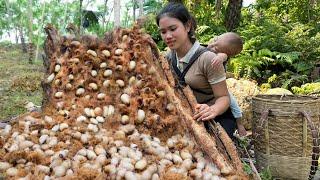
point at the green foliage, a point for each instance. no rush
(308, 88)
(265, 174)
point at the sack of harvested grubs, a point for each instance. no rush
(111, 112)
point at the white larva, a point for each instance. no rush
(107, 73)
(59, 171)
(6, 130)
(100, 119)
(141, 116)
(101, 96)
(124, 119)
(43, 138)
(91, 154)
(58, 94)
(106, 83)
(93, 128)
(91, 52)
(71, 77)
(66, 163)
(74, 60)
(55, 128)
(88, 97)
(141, 164)
(125, 98)
(52, 141)
(94, 121)
(185, 155)
(44, 169)
(124, 37)
(57, 68)
(68, 86)
(99, 150)
(161, 93)
(155, 177)
(118, 52)
(94, 73)
(130, 175)
(75, 43)
(108, 110)
(103, 65)
(87, 111)
(80, 91)
(132, 65)
(132, 80)
(120, 83)
(186, 164)
(176, 159)
(77, 135)
(57, 82)
(49, 152)
(4, 166)
(106, 53)
(84, 138)
(12, 171)
(63, 126)
(69, 172)
(93, 86)
(81, 118)
(119, 67)
(82, 152)
(111, 169)
(170, 107)
(50, 78)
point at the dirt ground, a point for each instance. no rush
(19, 81)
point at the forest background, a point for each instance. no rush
(281, 39)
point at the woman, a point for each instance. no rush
(177, 28)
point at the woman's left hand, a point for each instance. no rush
(204, 112)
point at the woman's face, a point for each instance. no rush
(173, 32)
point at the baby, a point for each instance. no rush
(227, 45)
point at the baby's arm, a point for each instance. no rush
(218, 60)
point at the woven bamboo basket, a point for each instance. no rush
(285, 131)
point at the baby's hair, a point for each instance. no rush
(234, 41)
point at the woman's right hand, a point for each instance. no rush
(204, 112)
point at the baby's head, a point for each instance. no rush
(229, 43)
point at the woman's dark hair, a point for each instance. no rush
(180, 12)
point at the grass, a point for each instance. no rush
(19, 81)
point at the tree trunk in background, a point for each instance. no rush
(117, 9)
(218, 5)
(39, 29)
(30, 33)
(140, 7)
(80, 18)
(23, 42)
(134, 10)
(104, 15)
(233, 14)
(16, 35)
